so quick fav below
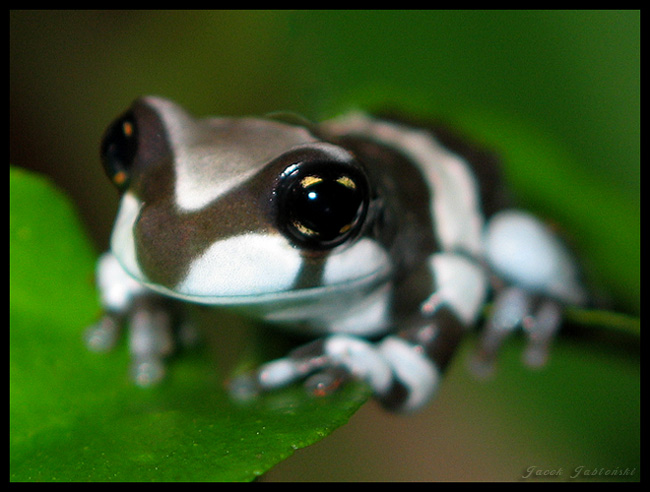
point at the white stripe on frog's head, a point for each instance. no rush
(213, 156)
(122, 239)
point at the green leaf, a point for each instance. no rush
(75, 416)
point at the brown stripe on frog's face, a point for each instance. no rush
(224, 207)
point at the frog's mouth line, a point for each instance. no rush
(367, 282)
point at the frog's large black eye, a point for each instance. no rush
(322, 204)
(118, 150)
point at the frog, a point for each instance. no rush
(379, 238)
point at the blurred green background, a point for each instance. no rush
(573, 76)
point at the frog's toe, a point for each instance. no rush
(148, 371)
(103, 335)
(514, 307)
(541, 329)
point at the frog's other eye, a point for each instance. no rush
(118, 150)
(322, 204)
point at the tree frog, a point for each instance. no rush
(380, 238)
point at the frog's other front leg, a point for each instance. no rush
(149, 320)
(117, 291)
(150, 340)
(403, 369)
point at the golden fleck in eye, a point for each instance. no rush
(347, 182)
(308, 181)
(127, 128)
(119, 178)
(303, 229)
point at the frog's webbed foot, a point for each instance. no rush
(514, 307)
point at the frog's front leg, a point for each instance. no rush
(402, 369)
(148, 318)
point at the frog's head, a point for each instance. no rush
(237, 209)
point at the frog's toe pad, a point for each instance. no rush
(540, 317)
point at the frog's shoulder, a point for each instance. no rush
(485, 163)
